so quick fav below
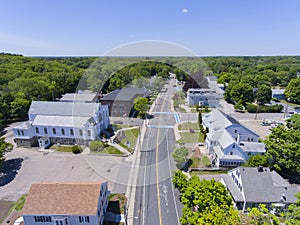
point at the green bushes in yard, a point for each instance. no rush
(76, 149)
(251, 108)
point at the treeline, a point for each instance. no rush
(283, 150)
(23, 79)
(247, 79)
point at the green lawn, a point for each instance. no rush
(18, 205)
(193, 110)
(131, 137)
(202, 162)
(179, 109)
(119, 126)
(195, 163)
(187, 137)
(205, 161)
(290, 104)
(62, 148)
(109, 150)
(188, 126)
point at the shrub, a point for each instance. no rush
(251, 108)
(76, 149)
(239, 106)
(97, 145)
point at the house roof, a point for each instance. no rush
(226, 139)
(264, 186)
(124, 94)
(61, 121)
(24, 125)
(234, 191)
(64, 108)
(82, 97)
(63, 198)
(221, 155)
(253, 147)
(216, 120)
(277, 91)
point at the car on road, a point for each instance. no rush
(201, 144)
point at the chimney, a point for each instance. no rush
(238, 139)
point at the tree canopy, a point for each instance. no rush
(292, 91)
(283, 150)
(205, 201)
(4, 148)
(142, 105)
(264, 94)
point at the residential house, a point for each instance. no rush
(251, 186)
(63, 203)
(62, 122)
(202, 97)
(120, 101)
(206, 96)
(229, 142)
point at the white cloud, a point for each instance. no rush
(185, 10)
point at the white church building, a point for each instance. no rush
(62, 122)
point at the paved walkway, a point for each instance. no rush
(119, 147)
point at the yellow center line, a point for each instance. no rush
(157, 180)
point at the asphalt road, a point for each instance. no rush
(156, 201)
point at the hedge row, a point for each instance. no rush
(251, 108)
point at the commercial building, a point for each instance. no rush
(120, 101)
(62, 203)
(62, 122)
(229, 142)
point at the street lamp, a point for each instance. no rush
(286, 108)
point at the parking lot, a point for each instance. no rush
(25, 166)
(29, 166)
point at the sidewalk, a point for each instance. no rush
(119, 147)
(187, 108)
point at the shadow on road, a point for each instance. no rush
(8, 170)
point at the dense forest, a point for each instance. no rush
(24, 79)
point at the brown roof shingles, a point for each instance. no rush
(63, 198)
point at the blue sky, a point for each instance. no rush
(206, 27)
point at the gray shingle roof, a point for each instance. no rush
(125, 94)
(83, 97)
(60, 121)
(265, 186)
(234, 191)
(253, 147)
(64, 108)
